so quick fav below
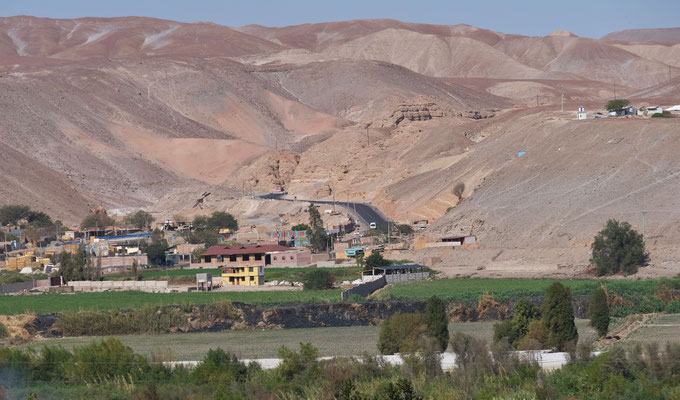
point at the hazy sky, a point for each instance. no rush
(593, 18)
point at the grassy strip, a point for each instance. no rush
(271, 274)
(53, 302)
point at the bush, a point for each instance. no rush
(318, 280)
(659, 115)
(219, 367)
(401, 333)
(105, 359)
(598, 312)
(616, 248)
(673, 307)
(558, 316)
(49, 365)
(536, 337)
(516, 328)
(650, 305)
(437, 322)
(115, 322)
(470, 352)
(3, 331)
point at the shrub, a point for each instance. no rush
(317, 280)
(536, 337)
(616, 248)
(659, 115)
(49, 364)
(650, 305)
(558, 316)
(303, 364)
(3, 331)
(516, 328)
(219, 367)
(105, 359)
(437, 322)
(401, 333)
(598, 312)
(470, 352)
(673, 307)
(114, 322)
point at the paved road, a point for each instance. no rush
(366, 212)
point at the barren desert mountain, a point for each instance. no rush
(132, 37)
(146, 113)
(658, 35)
(465, 51)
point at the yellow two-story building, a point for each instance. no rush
(240, 265)
(244, 276)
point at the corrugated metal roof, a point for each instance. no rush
(398, 267)
(221, 250)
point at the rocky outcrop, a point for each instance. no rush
(415, 112)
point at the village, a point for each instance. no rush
(212, 252)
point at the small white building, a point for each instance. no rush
(674, 109)
(581, 114)
(654, 110)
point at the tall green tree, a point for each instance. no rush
(222, 220)
(72, 267)
(558, 317)
(141, 220)
(598, 311)
(12, 214)
(616, 248)
(318, 239)
(96, 220)
(616, 104)
(39, 219)
(155, 251)
(375, 259)
(437, 322)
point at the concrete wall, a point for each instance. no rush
(365, 289)
(417, 276)
(288, 259)
(106, 286)
(16, 287)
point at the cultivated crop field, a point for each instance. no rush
(463, 290)
(468, 290)
(661, 328)
(337, 341)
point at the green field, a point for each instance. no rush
(468, 290)
(54, 302)
(271, 274)
(463, 290)
(338, 341)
